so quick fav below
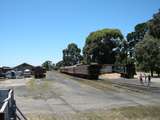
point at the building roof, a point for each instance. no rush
(23, 65)
(5, 67)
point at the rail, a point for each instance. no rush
(18, 110)
(9, 110)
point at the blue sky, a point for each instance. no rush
(37, 30)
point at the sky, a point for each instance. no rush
(34, 31)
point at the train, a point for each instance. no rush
(83, 71)
(39, 72)
(93, 71)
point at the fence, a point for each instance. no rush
(8, 106)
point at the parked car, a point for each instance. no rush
(2, 75)
(10, 74)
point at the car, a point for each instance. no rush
(2, 75)
(10, 74)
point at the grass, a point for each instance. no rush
(124, 113)
(139, 113)
(39, 89)
(41, 117)
(34, 84)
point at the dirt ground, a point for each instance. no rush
(112, 76)
(62, 97)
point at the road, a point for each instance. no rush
(61, 94)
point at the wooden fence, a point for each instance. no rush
(8, 108)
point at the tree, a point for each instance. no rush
(134, 37)
(100, 45)
(71, 55)
(154, 25)
(59, 64)
(122, 53)
(148, 54)
(48, 65)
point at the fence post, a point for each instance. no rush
(2, 116)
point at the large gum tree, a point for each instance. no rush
(100, 46)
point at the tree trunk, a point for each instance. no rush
(151, 73)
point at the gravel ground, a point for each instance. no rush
(60, 95)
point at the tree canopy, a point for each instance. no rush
(48, 65)
(122, 53)
(59, 64)
(99, 46)
(71, 55)
(154, 25)
(136, 36)
(148, 54)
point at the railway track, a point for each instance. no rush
(137, 88)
